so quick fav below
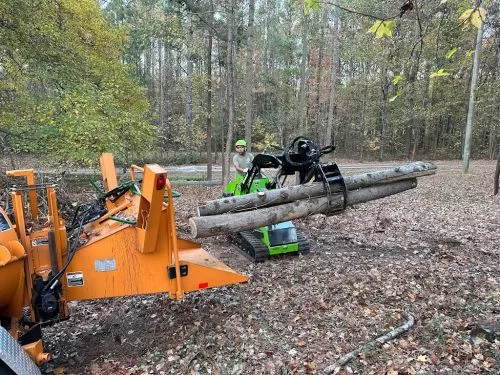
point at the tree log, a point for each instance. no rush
(205, 226)
(298, 192)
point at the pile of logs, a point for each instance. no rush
(238, 213)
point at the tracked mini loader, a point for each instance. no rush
(302, 157)
(125, 243)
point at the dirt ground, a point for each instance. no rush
(432, 252)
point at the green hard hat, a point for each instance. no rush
(241, 142)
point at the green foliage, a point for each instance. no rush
(474, 17)
(382, 28)
(63, 91)
(311, 4)
(396, 80)
(451, 52)
(439, 73)
(416, 74)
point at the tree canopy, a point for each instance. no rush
(63, 89)
(379, 79)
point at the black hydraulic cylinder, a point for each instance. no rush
(52, 251)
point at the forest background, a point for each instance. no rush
(177, 81)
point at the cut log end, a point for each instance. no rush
(192, 225)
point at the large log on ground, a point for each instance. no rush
(298, 192)
(205, 226)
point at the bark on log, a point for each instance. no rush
(205, 226)
(298, 192)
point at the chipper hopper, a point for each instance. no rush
(125, 243)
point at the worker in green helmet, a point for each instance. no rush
(242, 160)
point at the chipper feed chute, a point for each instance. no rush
(143, 257)
(125, 243)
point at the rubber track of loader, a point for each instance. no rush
(304, 246)
(253, 248)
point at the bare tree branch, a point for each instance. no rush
(379, 341)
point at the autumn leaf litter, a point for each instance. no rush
(433, 251)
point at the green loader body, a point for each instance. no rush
(302, 159)
(262, 243)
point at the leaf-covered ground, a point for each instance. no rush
(433, 251)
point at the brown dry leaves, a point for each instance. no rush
(433, 251)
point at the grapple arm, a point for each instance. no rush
(302, 156)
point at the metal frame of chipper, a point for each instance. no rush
(123, 244)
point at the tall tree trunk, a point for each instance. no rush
(363, 124)
(425, 106)
(209, 90)
(249, 78)
(147, 73)
(161, 85)
(472, 98)
(188, 134)
(152, 75)
(302, 107)
(496, 181)
(319, 72)
(384, 85)
(230, 88)
(222, 114)
(494, 127)
(178, 66)
(168, 82)
(334, 77)
(414, 126)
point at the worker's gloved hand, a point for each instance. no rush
(245, 170)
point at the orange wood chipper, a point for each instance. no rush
(123, 244)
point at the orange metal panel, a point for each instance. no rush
(58, 226)
(35, 350)
(150, 208)
(205, 271)
(108, 171)
(12, 290)
(17, 204)
(38, 243)
(112, 266)
(30, 180)
(12, 255)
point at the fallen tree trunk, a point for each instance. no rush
(298, 192)
(205, 226)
